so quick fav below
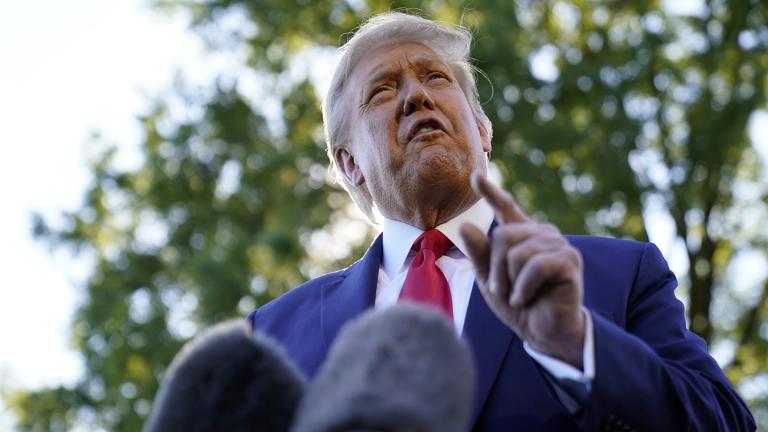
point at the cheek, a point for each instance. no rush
(379, 129)
(469, 123)
(456, 106)
(382, 135)
(375, 131)
(372, 155)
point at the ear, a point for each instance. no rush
(483, 135)
(345, 161)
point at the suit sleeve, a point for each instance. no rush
(655, 374)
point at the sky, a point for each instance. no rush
(70, 69)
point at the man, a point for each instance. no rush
(568, 333)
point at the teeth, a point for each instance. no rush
(425, 128)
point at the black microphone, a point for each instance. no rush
(227, 380)
(399, 369)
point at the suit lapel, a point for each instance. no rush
(346, 300)
(490, 340)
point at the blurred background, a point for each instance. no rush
(165, 170)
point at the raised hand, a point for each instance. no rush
(530, 276)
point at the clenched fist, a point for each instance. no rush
(530, 276)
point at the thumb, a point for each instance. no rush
(478, 249)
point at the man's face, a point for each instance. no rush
(413, 133)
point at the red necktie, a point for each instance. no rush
(425, 283)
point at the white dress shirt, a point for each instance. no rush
(460, 273)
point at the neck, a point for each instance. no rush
(430, 213)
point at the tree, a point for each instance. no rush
(601, 111)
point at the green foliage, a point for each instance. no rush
(641, 107)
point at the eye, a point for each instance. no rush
(378, 91)
(436, 76)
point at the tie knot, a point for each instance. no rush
(432, 240)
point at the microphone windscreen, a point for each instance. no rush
(228, 380)
(399, 369)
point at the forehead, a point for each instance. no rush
(387, 56)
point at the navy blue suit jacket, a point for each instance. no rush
(651, 372)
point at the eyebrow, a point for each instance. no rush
(380, 73)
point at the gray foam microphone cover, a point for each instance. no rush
(399, 369)
(227, 380)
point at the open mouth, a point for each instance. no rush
(424, 127)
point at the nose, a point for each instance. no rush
(417, 98)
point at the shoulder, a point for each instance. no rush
(617, 272)
(294, 320)
(616, 251)
(300, 300)
(605, 244)
(301, 305)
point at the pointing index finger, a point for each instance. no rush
(502, 201)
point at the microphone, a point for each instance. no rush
(396, 370)
(227, 380)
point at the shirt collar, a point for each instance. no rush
(399, 236)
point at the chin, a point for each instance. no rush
(443, 173)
